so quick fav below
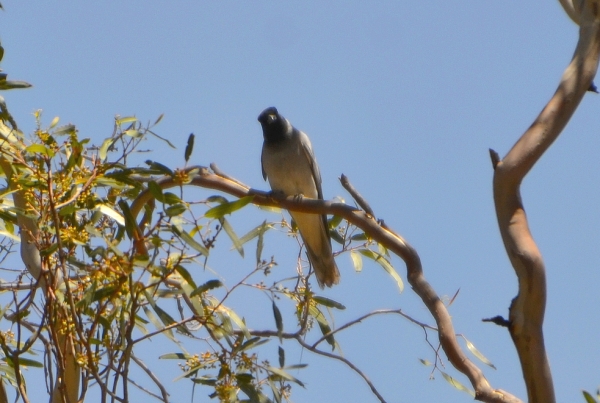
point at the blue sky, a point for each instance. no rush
(405, 98)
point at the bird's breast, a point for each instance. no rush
(288, 170)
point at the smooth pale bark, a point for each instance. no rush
(526, 316)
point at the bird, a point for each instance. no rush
(289, 164)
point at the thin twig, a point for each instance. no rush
(362, 202)
(222, 174)
(160, 386)
(345, 361)
(373, 313)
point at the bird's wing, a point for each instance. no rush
(262, 164)
(312, 161)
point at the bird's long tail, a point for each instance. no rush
(318, 246)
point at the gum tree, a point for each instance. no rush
(107, 250)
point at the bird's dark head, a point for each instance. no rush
(275, 127)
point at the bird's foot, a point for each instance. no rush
(276, 195)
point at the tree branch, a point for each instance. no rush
(203, 177)
(345, 361)
(527, 309)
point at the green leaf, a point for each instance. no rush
(334, 221)
(190, 147)
(175, 210)
(187, 238)
(588, 398)
(185, 275)
(359, 237)
(281, 354)
(203, 380)
(133, 133)
(164, 317)
(254, 232)
(156, 191)
(323, 324)
(160, 167)
(174, 356)
(383, 262)
(130, 224)
(382, 250)
(86, 300)
(158, 119)
(23, 362)
(171, 198)
(64, 130)
(10, 235)
(237, 320)
(75, 157)
(110, 212)
(103, 150)
(281, 373)
(9, 226)
(105, 292)
(67, 210)
(49, 250)
(251, 343)
(209, 285)
(296, 366)
(278, 321)
(54, 122)
(228, 208)
(217, 199)
(356, 261)
(328, 302)
(237, 244)
(333, 234)
(478, 354)
(13, 84)
(259, 243)
(276, 392)
(125, 120)
(244, 379)
(457, 384)
(40, 149)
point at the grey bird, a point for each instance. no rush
(289, 163)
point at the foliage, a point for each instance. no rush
(108, 283)
(589, 398)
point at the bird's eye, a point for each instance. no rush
(272, 118)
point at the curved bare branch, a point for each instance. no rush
(527, 309)
(203, 177)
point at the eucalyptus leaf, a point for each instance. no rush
(237, 244)
(209, 285)
(278, 321)
(187, 238)
(190, 147)
(228, 207)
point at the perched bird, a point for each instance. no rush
(289, 163)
